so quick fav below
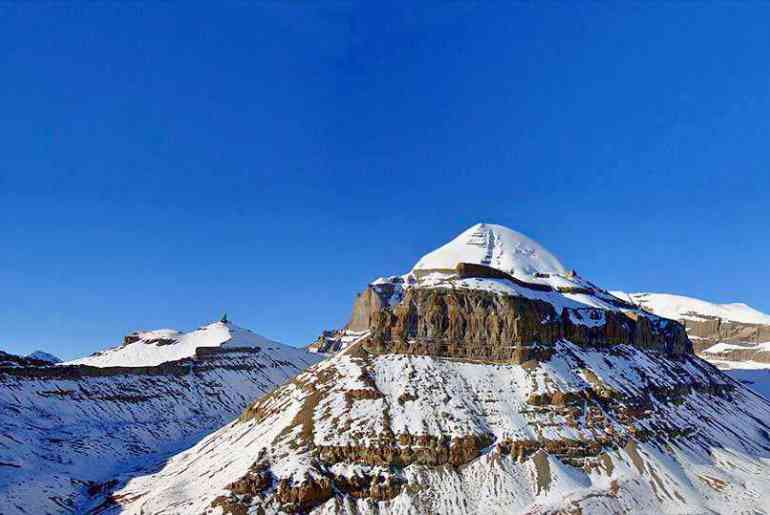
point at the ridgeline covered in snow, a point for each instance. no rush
(71, 433)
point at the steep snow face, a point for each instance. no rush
(679, 307)
(151, 348)
(494, 246)
(44, 356)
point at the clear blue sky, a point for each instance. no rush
(159, 166)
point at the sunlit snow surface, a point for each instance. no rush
(677, 307)
(147, 352)
(495, 246)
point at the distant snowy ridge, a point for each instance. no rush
(732, 336)
(44, 356)
(69, 433)
(150, 348)
(679, 307)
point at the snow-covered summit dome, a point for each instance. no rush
(495, 246)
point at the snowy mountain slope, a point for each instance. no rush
(485, 394)
(70, 432)
(730, 335)
(679, 307)
(150, 348)
(44, 356)
(423, 435)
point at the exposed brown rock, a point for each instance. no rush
(542, 471)
(307, 494)
(131, 338)
(411, 449)
(479, 325)
(363, 393)
(254, 482)
(231, 505)
(708, 331)
(366, 304)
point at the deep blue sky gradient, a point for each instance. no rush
(160, 165)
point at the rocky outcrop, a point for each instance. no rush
(405, 449)
(473, 270)
(481, 325)
(301, 495)
(367, 304)
(305, 494)
(709, 331)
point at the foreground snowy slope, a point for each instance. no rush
(468, 389)
(69, 434)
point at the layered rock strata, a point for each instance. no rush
(472, 324)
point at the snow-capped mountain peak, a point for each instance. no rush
(494, 246)
(150, 348)
(44, 356)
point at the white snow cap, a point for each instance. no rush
(495, 246)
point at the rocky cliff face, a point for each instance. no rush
(71, 434)
(746, 339)
(481, 394)
(483, 325)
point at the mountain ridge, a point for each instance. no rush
(732, 336)
(476, 389)
(80, 430)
